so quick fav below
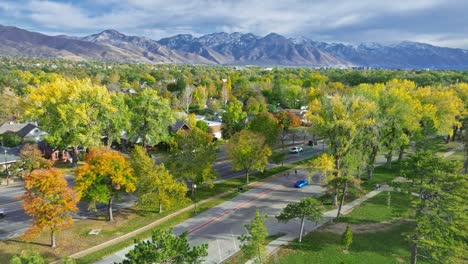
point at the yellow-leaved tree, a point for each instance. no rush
(340, 119)
(156, 188)
(49, 201)
(70, 110)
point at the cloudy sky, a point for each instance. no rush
(438, 22)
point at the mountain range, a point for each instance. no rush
(228, 49)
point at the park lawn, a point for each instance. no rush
(376, 209)
(380, 246)
(378, 236)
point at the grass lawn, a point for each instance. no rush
(378, 236)
(386, 246)
(376, 209)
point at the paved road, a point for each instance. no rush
(16, 221)
(221, 226)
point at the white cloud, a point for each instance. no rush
(341, 20)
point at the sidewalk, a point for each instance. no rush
(328, 216)
(309, 226)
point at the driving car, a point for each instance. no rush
(301, 183)
(295, 150)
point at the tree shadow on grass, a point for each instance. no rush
(388, 243)
(27, 242)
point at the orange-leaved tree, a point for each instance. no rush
(105, 174)
(49, 201)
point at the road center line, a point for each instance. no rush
(239, 206)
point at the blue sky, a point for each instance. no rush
(438, 22)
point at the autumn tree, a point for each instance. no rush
(248, 151)
(156, 188)
(69, 110)
(341, 119)
(48, 201)
(151, 117)
(286, 121)
(400, 114)
(254, 242)
(442, 109)
(307, 208)
(200, 96)
(165, 247)
(267, 125)
(193, 157)
(106, 174)
(31, 159)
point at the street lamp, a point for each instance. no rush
(195, 196)
(6, 166)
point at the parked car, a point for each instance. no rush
(295, 150)
(2, 212)
(301, 183)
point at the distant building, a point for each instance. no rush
(28, 132)
(214, 127)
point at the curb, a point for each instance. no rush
(162, 220)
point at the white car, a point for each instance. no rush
(295, 150)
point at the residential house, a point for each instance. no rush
(28, 132)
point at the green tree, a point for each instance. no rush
(441, 229)
(233, 118)
(267, 125)
(164, 247)
(307, 208)
(347, 238)
(254, 241)
(194, 153)
(10, 139)
(202, 125)
(28, 257)
(247, 151)
(105, 174)
(278, 157)
(69, 110)
(151, 117)
(156, 188)
(117, 120)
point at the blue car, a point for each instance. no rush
(301, 183)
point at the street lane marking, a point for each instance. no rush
(7, 204)
(240, 205)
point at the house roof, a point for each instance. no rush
(20, 129)
(178, 126)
